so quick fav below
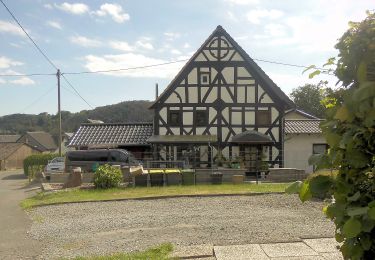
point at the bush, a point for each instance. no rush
(107, 176)
(36, 162)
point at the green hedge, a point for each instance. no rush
(37, 162)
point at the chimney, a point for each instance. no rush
(156, 91)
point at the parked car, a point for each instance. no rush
(88, 160)
(55, 165)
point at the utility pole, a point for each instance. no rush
(58, 74)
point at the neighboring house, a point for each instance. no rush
(303, 137)
(219, 94)
(12, 154)
(41, 141)
(65, 139)
(9, 138)
(298, 114)
(132, 137)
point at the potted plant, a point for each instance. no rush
(173, 177)
(156, 177)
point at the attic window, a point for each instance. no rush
(263, 117)
(201, 118)
(174, 118)
(205, 78)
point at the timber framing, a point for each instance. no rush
(223, 82)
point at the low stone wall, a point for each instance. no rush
(286, 175)
(59, 177)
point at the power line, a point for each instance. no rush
(123, 69)
(27, 75)
(75, 90)
(36, 45)
(40, 50)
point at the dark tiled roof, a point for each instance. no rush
(44, 140)
(9, 138)
(6, 149)
(112, 134)
(302, 126)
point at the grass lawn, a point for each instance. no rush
(160, 252)
(76, 195)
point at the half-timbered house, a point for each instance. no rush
(220, 105)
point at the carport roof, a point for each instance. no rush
(116, 134)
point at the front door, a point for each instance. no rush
(250, 157)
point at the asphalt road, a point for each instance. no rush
(15, 243)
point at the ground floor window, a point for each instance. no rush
(319, 148)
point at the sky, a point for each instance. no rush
(96, 35)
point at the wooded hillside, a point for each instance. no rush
(127, 111)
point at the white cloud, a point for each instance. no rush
(255, 16)
(145, 43)
(243, 2)
(76, 8)
(2, 81)
(22, 81)
(113, 10)
(7, 63)
(129, 60)
(8, 27)
(176, 52)
(85, 42)
(172, 36)
(274, 30)
(186, 45)
(48, 6)
(121, 45)
(54, 24)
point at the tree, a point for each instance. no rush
(349, 131)
(308, 98)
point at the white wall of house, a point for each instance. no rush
(298, 148)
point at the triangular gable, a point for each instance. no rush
(220, 46)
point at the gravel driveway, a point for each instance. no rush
(105, 227)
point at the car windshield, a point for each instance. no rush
(58, 159)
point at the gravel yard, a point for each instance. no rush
(105, 227)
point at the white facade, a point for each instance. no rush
(298, 148)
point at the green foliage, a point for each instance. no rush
(350, 131)
(309, 98)
(107, 176)
(36, 163)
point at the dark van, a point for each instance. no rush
(88, 160)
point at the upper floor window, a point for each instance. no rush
(201, 118)
(263, 117)
(174, 118)
(205, 78)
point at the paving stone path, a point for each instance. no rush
(306, 249)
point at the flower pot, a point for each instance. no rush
(216, 178)
(157, 179)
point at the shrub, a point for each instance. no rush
(36, 162)
(349, 131)
(107, 176)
